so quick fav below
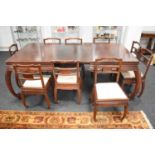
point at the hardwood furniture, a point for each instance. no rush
(67, 78)
(150, 35)
(135, 48)
(46, 55)
(76, 41)
(13, 49)
(52, 41)
(145, 57)
(101, 39)
(72, 41)
(136, 51)
(32, 81)
(108, 94)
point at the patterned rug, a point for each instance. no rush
(72, 120)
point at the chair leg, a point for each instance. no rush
(122, 85)
(92, 96)
(81, 84)
(125, 112)
(23, 100)
(55, 95)
(95, 112)
(92, 74)
(142, 89)
(83, 70)
(79, 96)
(48, 101)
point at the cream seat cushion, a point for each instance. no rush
(36, 83)
(129, 75)
(110, 90)
(67, 79)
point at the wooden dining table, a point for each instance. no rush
(46, 55)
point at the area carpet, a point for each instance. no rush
(71, 120)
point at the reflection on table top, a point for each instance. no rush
(86, 53)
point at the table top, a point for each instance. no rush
(85, 53)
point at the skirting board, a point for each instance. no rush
(6, 49)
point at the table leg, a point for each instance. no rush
(137, 85)
(153, 48)
(8, 74)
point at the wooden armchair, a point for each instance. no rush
(108, 94)
(31, 81)
(67, 78)
(71, 41)
(13, 49)
(135, 48)
(52, 41)
(145, 57)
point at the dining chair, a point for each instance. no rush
(98, 40)
(13, 49)
(135, 48)
(67, 78)
(71, 41)
(52, 41)
(128, 78)
(76, 41)
(101, 40)
(108, 94)
(32, 81)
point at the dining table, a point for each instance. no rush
(87, 53)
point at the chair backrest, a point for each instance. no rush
(107, 66)
(70, 41)
(28, 72)
(69, 68)
(145, 57)
(101, 40)
(52, 41)
(13, 49)
(135, 48)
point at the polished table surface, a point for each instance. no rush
(87, 53)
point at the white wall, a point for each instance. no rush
(130, 33)
(123, 35)
(149, 28)
(46, 31)
(5, 38)
(86, 33)
(133, 33)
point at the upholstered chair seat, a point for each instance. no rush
(68, 79)
(36, 83)
(109, 91)
(129, 74)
